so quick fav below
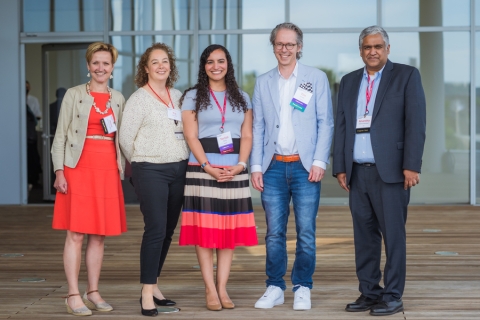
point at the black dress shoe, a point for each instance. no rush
(384, 308)
(148, 312)
(163, 302)
(361, 304)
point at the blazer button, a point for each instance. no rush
(274, 143)
(71, 145)
(76, 131)
(80, 101)
(277, 125)
(78, 116)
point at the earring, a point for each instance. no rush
(88, 74)
(111, 75)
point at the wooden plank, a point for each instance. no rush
(438, 287)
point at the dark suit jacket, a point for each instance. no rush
(398, 122)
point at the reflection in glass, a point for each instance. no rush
(147, 15)
(333, 14)
(415, 13)
(62, 15)
(240, 14)
(445, 168)
(131, 48)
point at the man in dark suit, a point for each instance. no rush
(378, 147)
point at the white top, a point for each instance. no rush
(34, 106)
(147, 134)
(286, 144)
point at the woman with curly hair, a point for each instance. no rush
(217, 210)
(152, 140)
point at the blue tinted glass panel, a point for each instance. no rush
(150, 15)
(63, 15)
(333, 14)
(238, 14)
(415, 13)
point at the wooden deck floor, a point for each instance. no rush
(438, 287)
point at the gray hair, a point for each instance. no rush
(288, 26)
(373, 30)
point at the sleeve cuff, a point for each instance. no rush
(320, 164)
(256, 168)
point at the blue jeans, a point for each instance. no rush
(285, 181)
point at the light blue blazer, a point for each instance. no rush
(313, 128)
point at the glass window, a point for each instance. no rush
(333, 14)
(238, 14)
(62, 15)
(445, 169)
(424, 13)
(149, 15)
(130, 50)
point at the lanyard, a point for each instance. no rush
(168, 91)
(368, 94)
(222, 111)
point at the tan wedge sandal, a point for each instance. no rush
(102, 306)
(82, 311)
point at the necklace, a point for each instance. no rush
(95, 105)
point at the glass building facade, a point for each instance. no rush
(439, 37)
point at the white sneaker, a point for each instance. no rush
(302, 299)
(272, 297)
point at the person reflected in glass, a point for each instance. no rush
(152, 141)
(217, 211)
(89, 166)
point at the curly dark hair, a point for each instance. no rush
(234, 94)
(141, 78)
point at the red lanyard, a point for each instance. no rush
(222, 111)
(168, 91)
(368, 93)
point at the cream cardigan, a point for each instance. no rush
(72, 127)
(147, 134)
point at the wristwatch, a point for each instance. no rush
(203, 165)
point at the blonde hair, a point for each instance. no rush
(101, 46)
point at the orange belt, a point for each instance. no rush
(291, 158)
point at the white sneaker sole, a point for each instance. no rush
(265, 306)
(302, 308)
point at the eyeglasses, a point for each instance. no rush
(289, 46)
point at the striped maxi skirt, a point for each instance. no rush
(217, 215)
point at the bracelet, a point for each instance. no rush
(243, 164)
(203, 165)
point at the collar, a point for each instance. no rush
(377, 74)
(294, 73)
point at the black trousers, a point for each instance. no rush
(379, 209)
(160, 189)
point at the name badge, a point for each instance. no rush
(300, 99)
(108, 124)
(363, 124)
(175, 114)
(225, 142)
(179, 135)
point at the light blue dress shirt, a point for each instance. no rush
(362, 150)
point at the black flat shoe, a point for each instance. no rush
(361, 304)
(384, 308)
(163, 302)
(148, 312)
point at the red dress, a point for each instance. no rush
(94, 202)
